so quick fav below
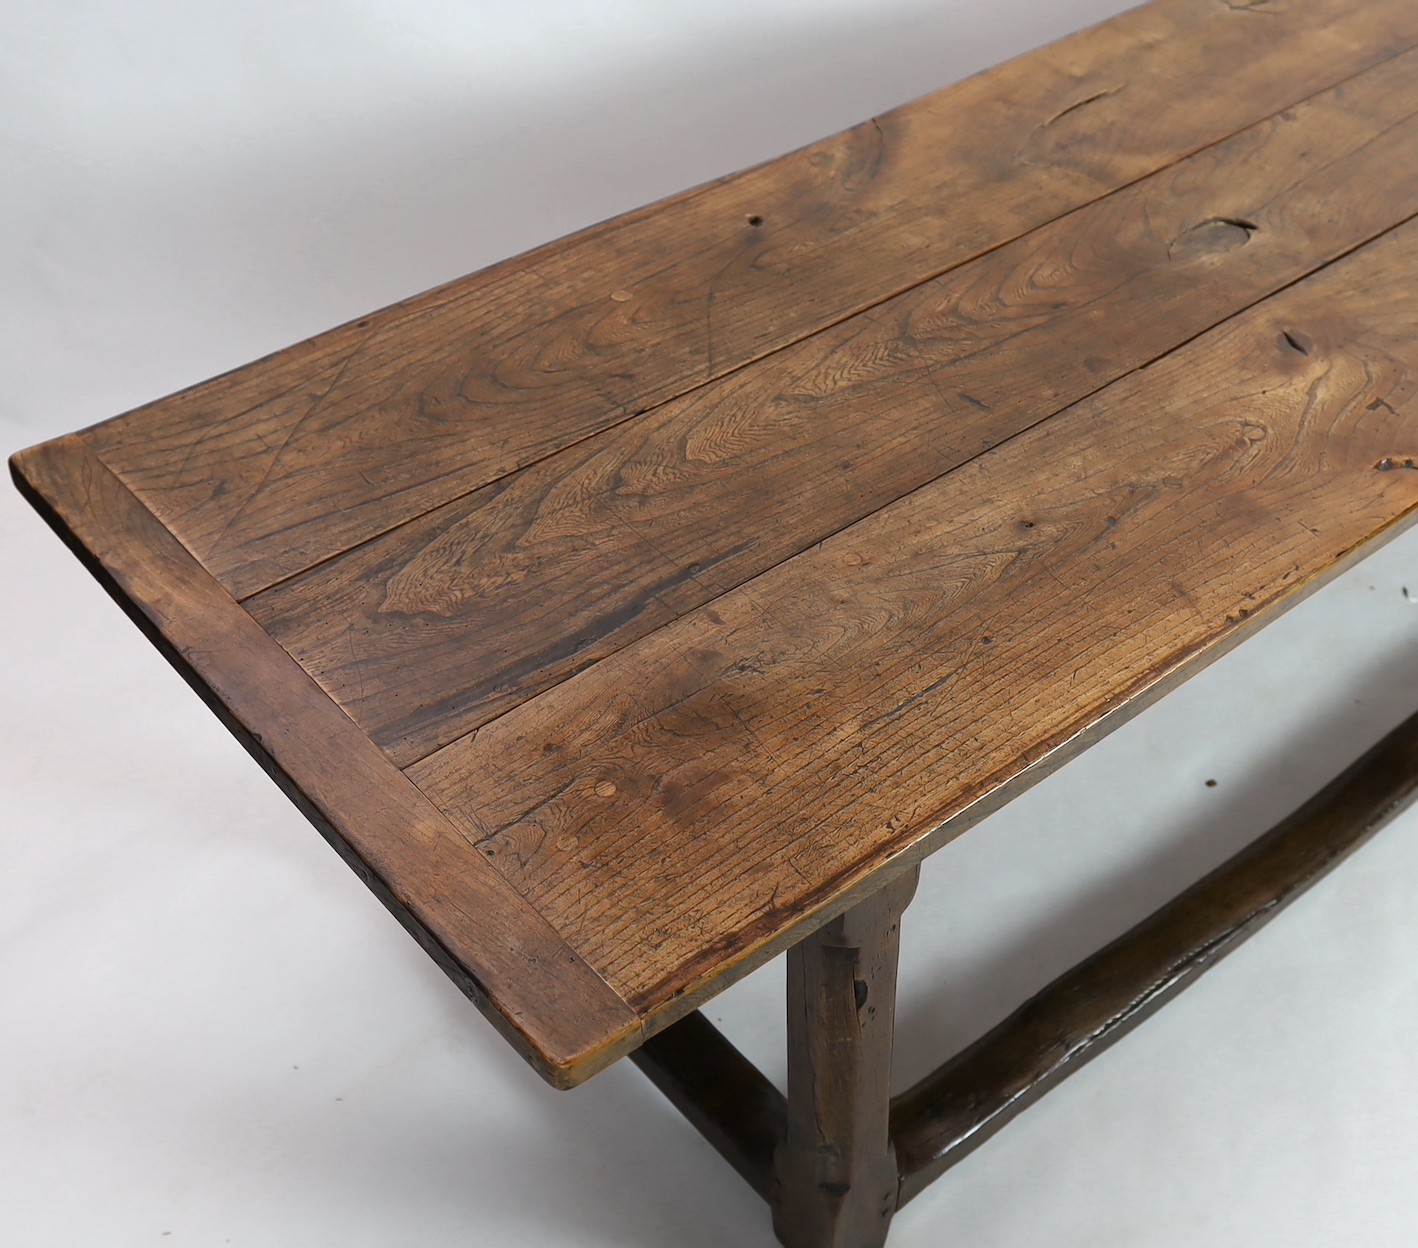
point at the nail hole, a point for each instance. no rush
(1211, 784)
(755, 220)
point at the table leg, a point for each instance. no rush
(836, 1157)
(835, 1171)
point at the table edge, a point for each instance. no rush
(848, 889)
(521, 971)
(522, 1000)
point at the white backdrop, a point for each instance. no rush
(211, 1034)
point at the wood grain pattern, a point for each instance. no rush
(435, 629)
(955, 1109)
(708, 568)
(267, 471)
(557, 1012)
(677, 809)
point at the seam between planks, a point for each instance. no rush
(1146, 364)
(825, 327)
(66, 511)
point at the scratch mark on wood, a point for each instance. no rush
(1074, 107)
(901, 707)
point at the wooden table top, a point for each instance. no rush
(626, 610)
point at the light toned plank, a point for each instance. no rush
(265, 472)
(433, 630)
(557, 1012)
(693, 803)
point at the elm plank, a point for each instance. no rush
(268, 471)
(554, 1009)
(438, 627)
(692, 804)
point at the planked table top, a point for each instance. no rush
(628, 609)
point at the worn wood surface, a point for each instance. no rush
(836, 1173)
(630, 610)
(535, 989)
(452, 619)
(956, 1108)
(271, 469)
(677, 807)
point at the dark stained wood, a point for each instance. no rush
(836, 1171)
(722, 1094)
(722, 446)
(543, 997)
(681, 809)
(841, 1169)
(455, 618)
(654, 602)
(955, 1109)
(270, 470)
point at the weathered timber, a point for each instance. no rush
(540, 994)
(679, 807)
(958, 1107)
(836, 1171)
(275, 467)
(455, 618)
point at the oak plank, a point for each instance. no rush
(691, 804)
(433, 630)
(268, 471)
(562, 1017)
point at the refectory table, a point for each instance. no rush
(651, 604)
